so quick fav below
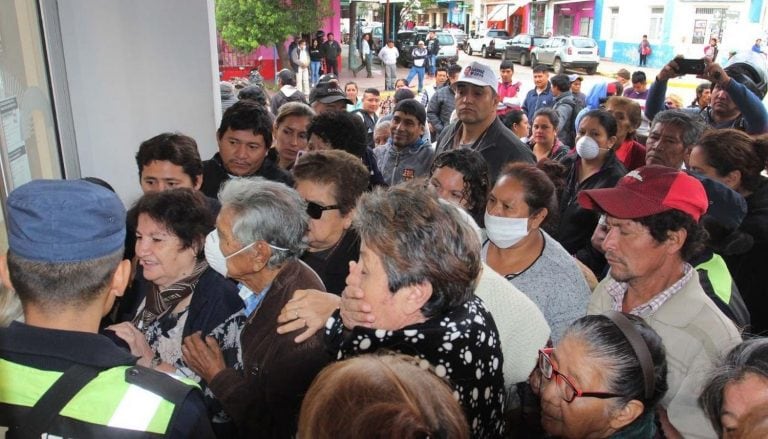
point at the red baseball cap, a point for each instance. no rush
(647, 191)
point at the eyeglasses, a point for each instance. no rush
(568, 390)
(315, 211)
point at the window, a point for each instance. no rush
(656, 23)
(585, 26)
(612, 23)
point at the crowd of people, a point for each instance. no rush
(461, 262)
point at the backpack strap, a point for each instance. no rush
(47, 408)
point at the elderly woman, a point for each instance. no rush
(290, 133)
(520, 204)
(181, 294)
(331, 182)
(460, 176)
(381, 396)
(604, 379)
(738, 384)
(418, 266)
(261, 227)
(544, 142)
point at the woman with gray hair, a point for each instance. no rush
(261, 231)
(603, 379)
(737, 385)
(418, 266)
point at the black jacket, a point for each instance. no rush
(498, 146)
(748, 269)
(576, 224)
(331, 49)
(44, 351)
(214, 175)
(333, 265)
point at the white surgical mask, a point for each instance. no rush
(587, 148)
(216, 258)
(213, 254)
(505, 232)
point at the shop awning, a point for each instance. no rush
(502, 11)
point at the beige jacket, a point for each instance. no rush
(695, 334)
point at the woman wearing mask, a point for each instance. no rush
(315, 61)
(520, 203)
(290, 133)
(594, 166)
(544, 141)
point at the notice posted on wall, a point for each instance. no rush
(13, 139)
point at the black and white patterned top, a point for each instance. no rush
(461, 346)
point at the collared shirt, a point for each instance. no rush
(251, 299)
(617, 291)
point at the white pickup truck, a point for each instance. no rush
(488, 43)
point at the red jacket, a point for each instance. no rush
(507, 90)
(631, 154)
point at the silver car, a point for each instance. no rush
(568, 52)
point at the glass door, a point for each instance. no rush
(28, 141)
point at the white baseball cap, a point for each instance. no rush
(479, 74)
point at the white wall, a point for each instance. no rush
(135, 69)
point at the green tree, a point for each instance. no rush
(248, 24)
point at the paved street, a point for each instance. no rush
(684, 87)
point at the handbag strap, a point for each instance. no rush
(47, 408)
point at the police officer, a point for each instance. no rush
(60, 377)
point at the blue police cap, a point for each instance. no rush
(64, 221)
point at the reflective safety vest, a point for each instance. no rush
(108, 400)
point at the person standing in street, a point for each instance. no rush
(331, 52)
(301, 57)
(315, 61)
(433, 48)
(419, 55)
(644, 48)
(710, 50)
(388, 56)
(365, 51)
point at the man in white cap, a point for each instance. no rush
(477, 126)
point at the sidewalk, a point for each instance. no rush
(606, 69)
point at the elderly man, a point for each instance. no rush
(261, 229)
(244, 137)
(652, 216)
(478, 127)
(672, 136)
(65, 262)
(737, 93)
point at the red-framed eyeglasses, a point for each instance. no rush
(568, 390)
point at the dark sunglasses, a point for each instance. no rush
(315, 211)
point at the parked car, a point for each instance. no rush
(489, 43)
(459, 36)
(564, 52)
(407, 39)
(519, 48)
